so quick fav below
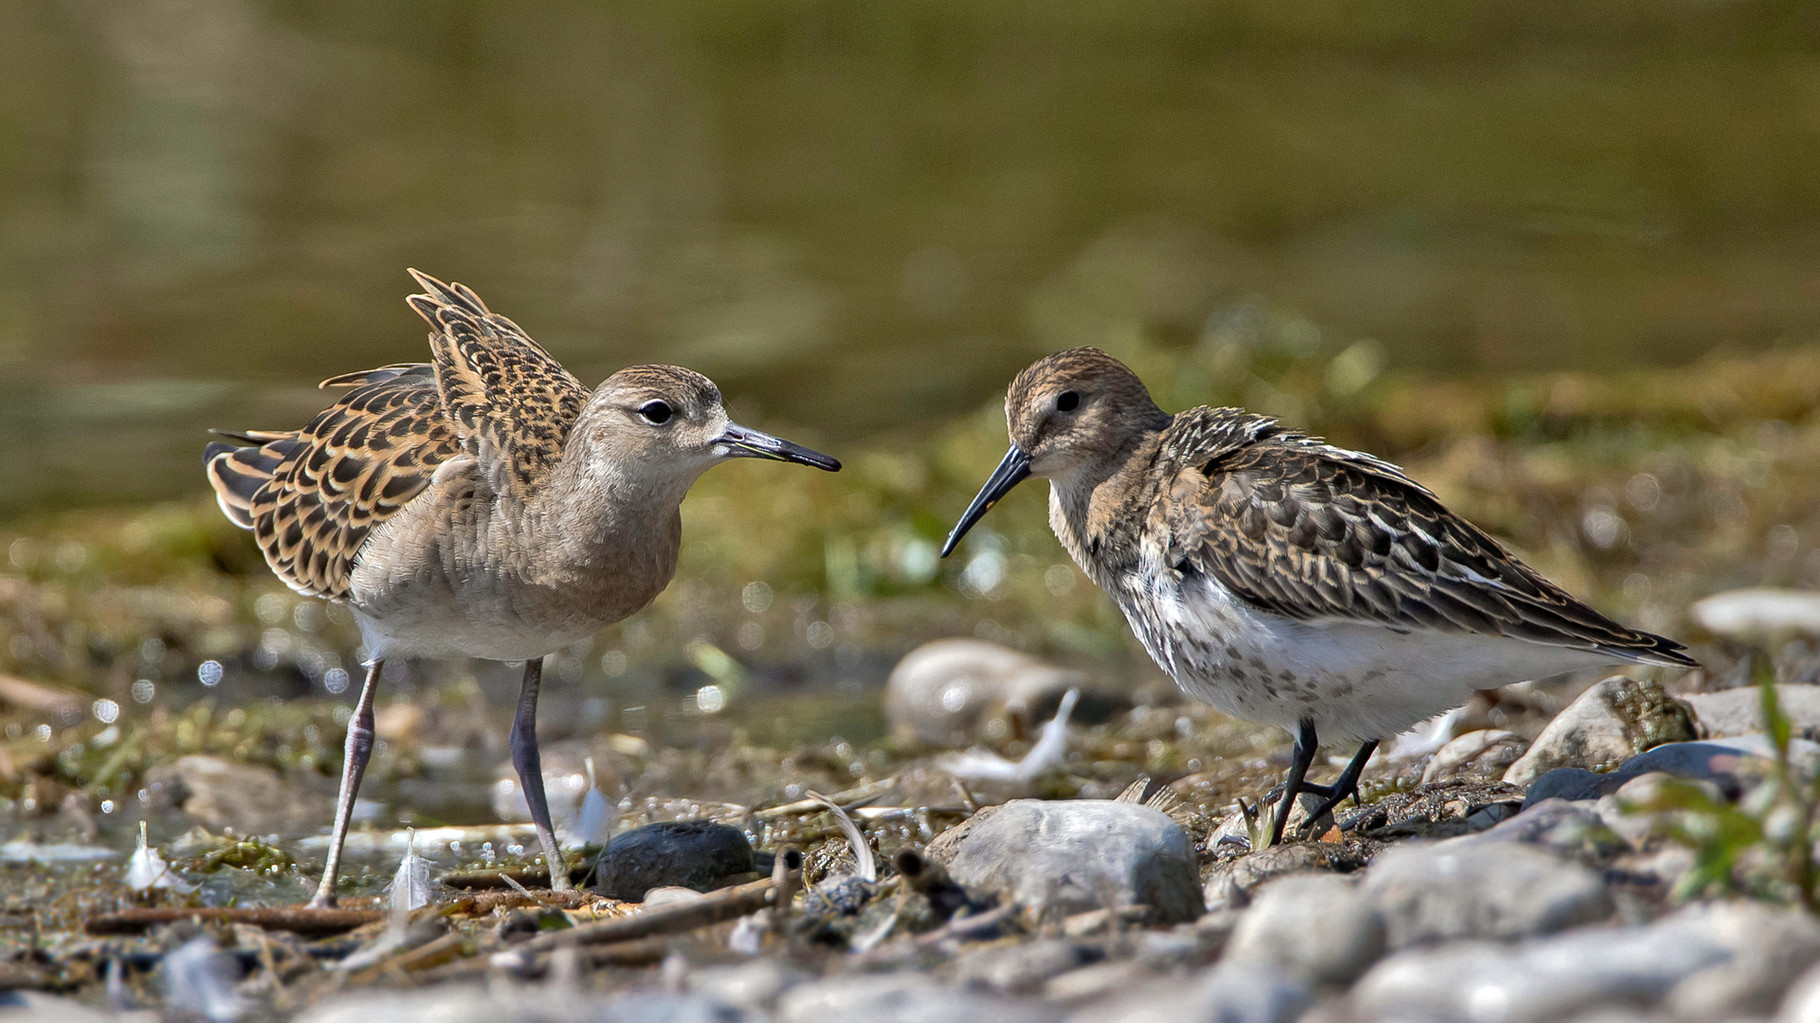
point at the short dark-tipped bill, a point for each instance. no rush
(1009, 473)
(743, 442)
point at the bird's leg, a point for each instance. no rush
(530, 773)
(1347, 784)
(1301, 758)
(353, 767)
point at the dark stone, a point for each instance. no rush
(686, 854)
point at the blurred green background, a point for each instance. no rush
(861, 218)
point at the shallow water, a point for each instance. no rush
(859, 217)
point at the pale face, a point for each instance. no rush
(669, 418)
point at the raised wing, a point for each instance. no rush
(312, 496)
(1313, 532)
(510, 401)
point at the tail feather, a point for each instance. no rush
(237, 473)
(1654, 649)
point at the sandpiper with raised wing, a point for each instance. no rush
(484, 504)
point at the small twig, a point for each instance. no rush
(712, 908)
(967, 926)
(850, 800)
(296, 919)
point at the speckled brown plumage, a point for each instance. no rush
(312, 496)
(484, 504)
(512, 403)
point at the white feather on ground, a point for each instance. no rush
(594, 824)
(867, 869)
(147, 870)
(1045, 754)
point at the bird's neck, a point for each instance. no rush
(605, 530)
(1098, 512)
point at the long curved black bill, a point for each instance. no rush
(1009, 473)
(743, 442)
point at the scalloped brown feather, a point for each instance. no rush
(311, 497)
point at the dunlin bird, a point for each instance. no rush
(484, 505)
(1282, 579)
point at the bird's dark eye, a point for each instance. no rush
(656, 413)
(1067, 401)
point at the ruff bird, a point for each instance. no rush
(484, 504)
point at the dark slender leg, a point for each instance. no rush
(1347, 784)
(1303, 756)
(530, 773)
(353, 767)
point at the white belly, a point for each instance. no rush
(1353, 680)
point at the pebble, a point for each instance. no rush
(953, 692)
(755, 985)
(1483, 755)
(1319, 928)
(1235, 991)
(901, 998)
(1608, 723)
(1758, 613)
(1740, 711)
(1075, 855)
(682, 854)
(1022, 969)
(505, 1003)
(1471, 888)
(38, 1007)
(1733, 763)
(1557, 824)
(1663, 963)
(252, 799)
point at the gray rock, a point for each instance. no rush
(1232, 992)
(1570, 783)
(683, 854)
(1021, 969)
(1470, 888)
(1074, 855)
(754, 985)
(952, 692)
(226, 794)
(901, 998)
(1557, 977)
(465, 1003)
(1802, 1002)
(1624, 811)
(1773, 949)
(1565, 827)
(1733, 712)
(1483, 755)
(1319, 928)
(1733, 763)
(1758, 613)
(1609, 722)
(38, 1007)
